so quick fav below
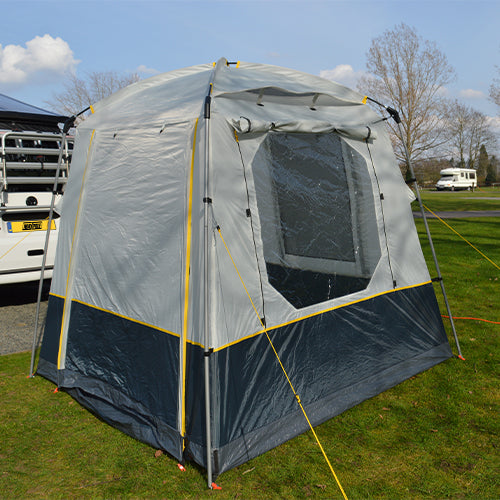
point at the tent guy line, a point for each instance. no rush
(297, 397)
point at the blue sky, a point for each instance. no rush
(46, 38)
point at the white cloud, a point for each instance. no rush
(43, 59)
(494, 123)
(443, 92)
(144, 69)
(343, 74)
(472, 94)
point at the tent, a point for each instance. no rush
(218, 218)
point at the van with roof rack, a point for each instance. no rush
(31, 145)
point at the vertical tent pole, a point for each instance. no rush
(397, 119)
(206, 342)
(68, 124)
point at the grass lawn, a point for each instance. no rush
(480, 199)
(433, 436)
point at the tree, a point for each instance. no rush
(468, 129)
(491, 171)
(80, 93)
(482, 164)
(495, 90)
(409, 74)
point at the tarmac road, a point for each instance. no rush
(17, 315)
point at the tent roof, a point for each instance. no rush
(179, 95)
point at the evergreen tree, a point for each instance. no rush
(482, 164)
(491, 172)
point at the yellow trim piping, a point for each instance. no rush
(365, 99)
(71, 251)
(275, 327)
(149, 325)
(92, 109)
(323, 311)
(186, 284)
(238, 64)
(126, 317)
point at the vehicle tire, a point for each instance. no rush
(453, 188)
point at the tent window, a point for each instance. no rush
(313, 196)
(315, 204)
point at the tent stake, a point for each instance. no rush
(397, 119)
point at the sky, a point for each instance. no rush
(45, 40)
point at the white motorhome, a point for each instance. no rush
(457, 178)
(30, 142)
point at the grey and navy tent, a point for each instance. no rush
(218, 218)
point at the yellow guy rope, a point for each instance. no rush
(458, 234)
(283, 368)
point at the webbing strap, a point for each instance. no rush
(297, 397)
(458, 234)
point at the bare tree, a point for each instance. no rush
(80, 93)
(409, 73)
(495, 90)
(468, 129)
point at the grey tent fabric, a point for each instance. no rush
(244, 126)
(210, 205)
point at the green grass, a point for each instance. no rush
(433, 436)
(461, 200)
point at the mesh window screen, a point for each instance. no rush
(310, 183)
(318, 224)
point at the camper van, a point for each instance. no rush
(457, 178)
(28, 168)
(30, 142)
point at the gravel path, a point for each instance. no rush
(17, 316)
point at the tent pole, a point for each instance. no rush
(66, 128)
(207, 352)
(67, 125)
(397, 119)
